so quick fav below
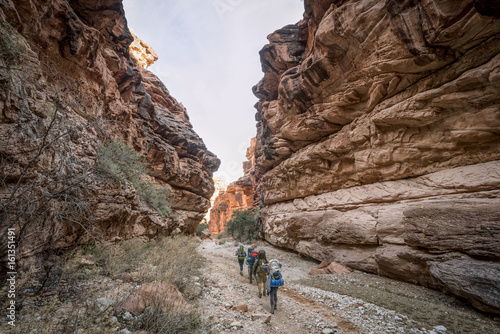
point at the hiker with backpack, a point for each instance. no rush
(240, 253)
(252, 256)
(260, 269)
(274, 281)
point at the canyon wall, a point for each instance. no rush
(237, 195)
(68, 85)
(378, 141)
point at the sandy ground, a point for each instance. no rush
(345, 303)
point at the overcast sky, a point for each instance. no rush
(209, 61)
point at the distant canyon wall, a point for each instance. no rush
(378, 141)
(68, 83)
(237, 195)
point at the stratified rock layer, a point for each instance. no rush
(67, 84)
(378, 141)
(142, 52)
(237, 196)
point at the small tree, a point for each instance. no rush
(125, 165)
(243, 225)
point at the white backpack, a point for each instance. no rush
(274, 266)
(276, 279)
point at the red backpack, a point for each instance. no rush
(254, 254)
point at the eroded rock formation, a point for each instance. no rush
(237, 196)
(378, 142)
(68, 83)
(142, 52)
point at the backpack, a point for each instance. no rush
(249, 257)
(250, 250)
(274, 266)
(254, 254)
(275, 273)
(262, 266)
(241, 253)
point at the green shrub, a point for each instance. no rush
(125, 165)
(243, 226)
(203, 226)
(11, 49)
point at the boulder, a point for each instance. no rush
(157, 294)
(205, 234)
(315, 272)
(241, 308)
(337, 268)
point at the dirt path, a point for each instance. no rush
(364, 303)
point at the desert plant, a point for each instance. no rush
(243, 226)
(170, 259)
(11, 49)
(121, 162)
(155, 320)
(201, 227)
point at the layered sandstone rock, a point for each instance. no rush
(220, 186)
(237, 196)
(142, 52)
(378, 141)
(68, 83)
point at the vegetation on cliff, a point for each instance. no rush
(127, 166)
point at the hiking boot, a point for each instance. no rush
(241, 273)
(260, 295)
(276, 306)
(272, 309)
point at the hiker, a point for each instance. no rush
(240, 253)
(252, 256)
(274, 281)
(260, 268)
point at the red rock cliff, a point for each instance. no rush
(237, 196)
(379, 137)
(68, 83)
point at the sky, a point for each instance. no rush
(208, 54)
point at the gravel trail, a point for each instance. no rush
(344, 303)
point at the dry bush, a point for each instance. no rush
(169, 259)
(176, 261)
(122, 257)
(156, 321)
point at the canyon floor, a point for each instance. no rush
(343, 303)
(88, 293)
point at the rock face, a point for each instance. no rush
(378, 141)
(220, 185)
(67, 84)
(237, 196)
(142, 52)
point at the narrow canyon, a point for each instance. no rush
(377, 141)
